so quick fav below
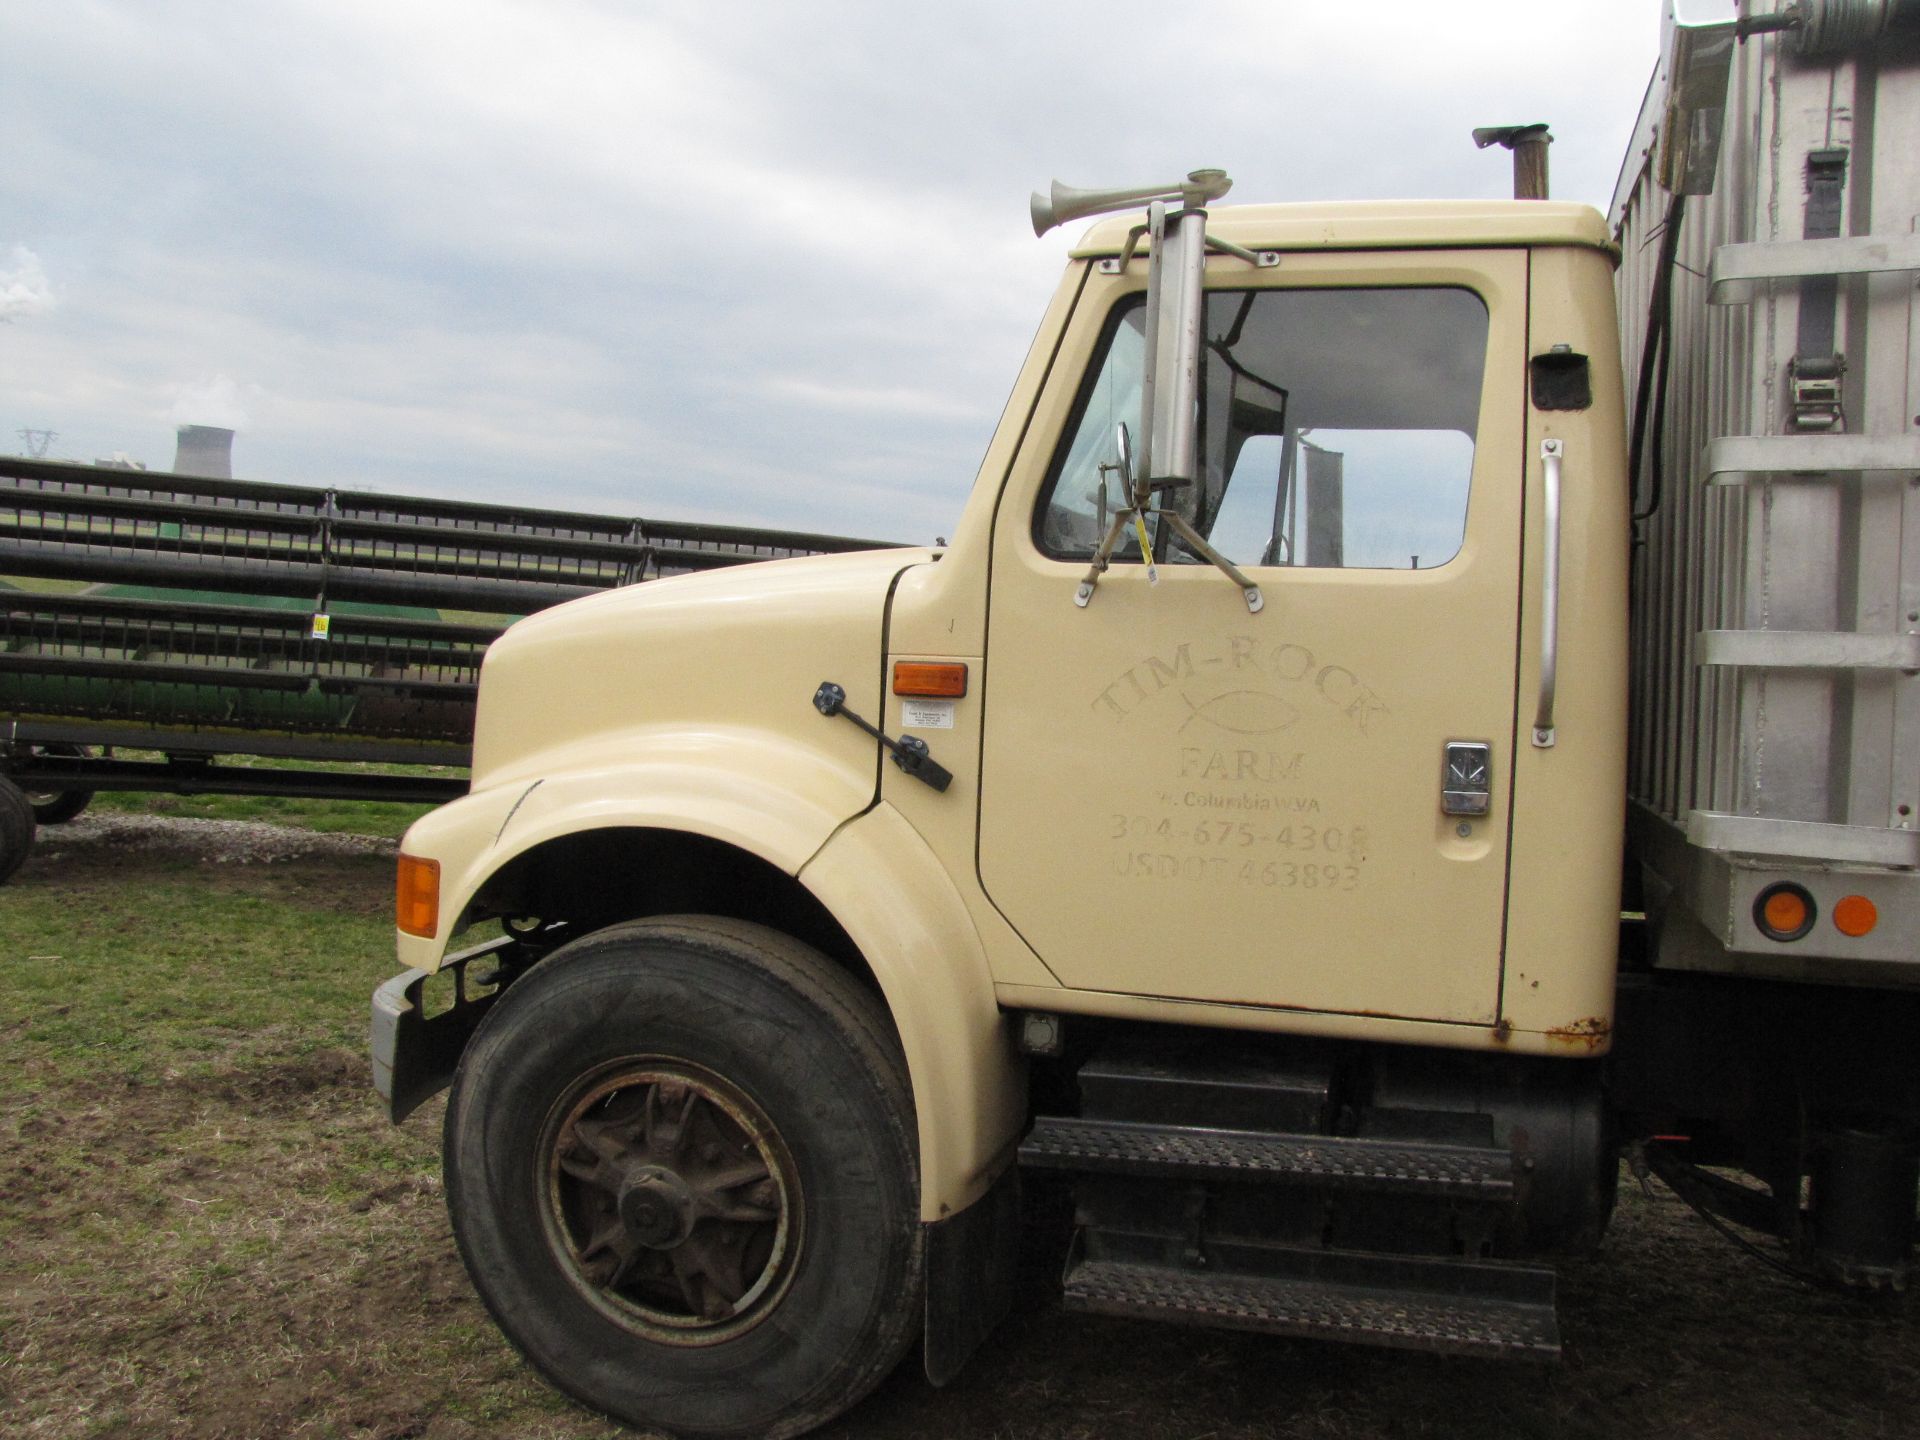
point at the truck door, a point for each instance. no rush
(1180, 798)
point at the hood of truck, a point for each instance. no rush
(745, 647)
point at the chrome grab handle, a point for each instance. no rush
(1543, 736)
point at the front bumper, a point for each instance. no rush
(414, 1054)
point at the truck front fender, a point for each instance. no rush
(873, 874)
(762, 793)
(896, 902)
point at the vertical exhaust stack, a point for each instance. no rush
(204, 450)
(1529, 146)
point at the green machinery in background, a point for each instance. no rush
(199, 618)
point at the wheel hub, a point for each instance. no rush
(672, 1200)
(657, 1207)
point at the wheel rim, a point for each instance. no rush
(671, 1200)
(41, 799)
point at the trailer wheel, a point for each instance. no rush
(16, 827)
(681, 1165)
(56, 807)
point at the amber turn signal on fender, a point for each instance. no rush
(942, 680)
(417, 896)
(1784, 912)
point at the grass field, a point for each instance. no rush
(210, 1230)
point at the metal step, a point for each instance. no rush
(1512, 1316)
(1409, 1167)
(1218, 1081)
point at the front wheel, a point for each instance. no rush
(681, 1165)
(16, 827)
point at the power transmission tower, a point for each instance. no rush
(37, 442)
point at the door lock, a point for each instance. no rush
(1466, 780)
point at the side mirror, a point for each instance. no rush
(1700, 40)
(1176, 264)
(1170, 382)
(1123, 455)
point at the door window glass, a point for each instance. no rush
(1336, 430)
(1085, 488)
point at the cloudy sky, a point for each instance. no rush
(766, 263)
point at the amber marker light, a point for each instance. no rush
(1855, 915)
(1784, 912)
(417, 896)
(941, 680)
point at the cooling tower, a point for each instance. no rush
(204, 450)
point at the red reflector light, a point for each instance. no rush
(417, 896)
(945, 680)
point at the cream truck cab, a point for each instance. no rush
(1228, 820)
(1215, 730)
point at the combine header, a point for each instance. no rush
(201, 617)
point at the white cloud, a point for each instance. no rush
(214, 400)
(24, 289)
(890, 399)
(742, 261)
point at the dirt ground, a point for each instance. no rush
(210, 1231)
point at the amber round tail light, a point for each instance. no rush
(1784, 911)
(1855, 915)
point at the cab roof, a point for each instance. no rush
(1381, 225)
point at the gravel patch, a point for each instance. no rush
(216, 842)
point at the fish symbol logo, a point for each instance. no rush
(1241, 712)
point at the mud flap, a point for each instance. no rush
(971, 1260)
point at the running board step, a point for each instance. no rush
(1408, 1167)
(1502, 1312)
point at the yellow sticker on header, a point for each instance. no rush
(322, 627)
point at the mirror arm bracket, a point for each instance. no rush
(1198, 542)
(1117, 265)
(1103, 557)
(1264, 259)
(1117, 527)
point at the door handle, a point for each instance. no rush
(1543, 730)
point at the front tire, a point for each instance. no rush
(16, 827)
(681, 1165)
